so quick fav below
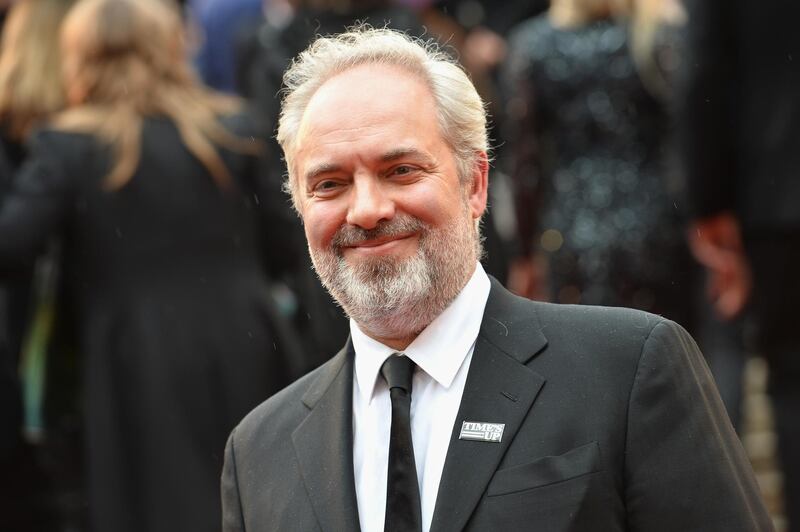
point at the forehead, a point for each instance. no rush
(366, 109)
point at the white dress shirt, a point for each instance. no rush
(442, 352)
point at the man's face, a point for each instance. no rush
(390, 228)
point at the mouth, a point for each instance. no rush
(379, 246)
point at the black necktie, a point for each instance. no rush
(403, 511)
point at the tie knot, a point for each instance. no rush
(397, 371)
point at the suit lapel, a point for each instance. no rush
(499, 389)
(324, 446)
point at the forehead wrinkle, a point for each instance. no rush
(315, 136)
(351, 134)
(361, 134)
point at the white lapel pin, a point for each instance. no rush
(481, 431)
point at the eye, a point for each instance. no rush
(402, 170)
(326, 185)
(326, 188)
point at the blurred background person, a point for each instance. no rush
(150, 181)
(265, 48)
(30, 91)
(220, 22)
(740, 138)
(478, 29)
(588, 128)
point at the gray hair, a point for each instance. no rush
(462, 116)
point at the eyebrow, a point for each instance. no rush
(403, 152)
(322, 168)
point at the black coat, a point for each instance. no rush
(171, 302)
(14, 287)
(741, 139)
(612, 423)
(741, 114)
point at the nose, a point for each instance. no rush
(369, 203)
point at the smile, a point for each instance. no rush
(379, 246)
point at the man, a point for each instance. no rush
(740, 132)
(522, 415)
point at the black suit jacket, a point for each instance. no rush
(611, 423)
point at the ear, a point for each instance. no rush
(479, 186)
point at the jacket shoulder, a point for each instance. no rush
(278, 416)
(612, 331)
(592, 320)
(558, 339)
(510, 315)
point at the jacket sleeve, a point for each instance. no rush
(685, 468)
(36, 205)
(232, 519)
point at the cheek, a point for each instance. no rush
(433, 206)
(321, 223)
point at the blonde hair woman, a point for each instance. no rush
(150, 179)
(590, 129)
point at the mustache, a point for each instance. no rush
(349, 235)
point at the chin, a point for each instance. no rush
(403, 322)
(396, 296)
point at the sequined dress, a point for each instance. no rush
(592, 176)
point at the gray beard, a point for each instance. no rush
(398, 298)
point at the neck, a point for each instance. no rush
(397, 330)
(398, 344)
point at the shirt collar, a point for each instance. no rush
(440, 349)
